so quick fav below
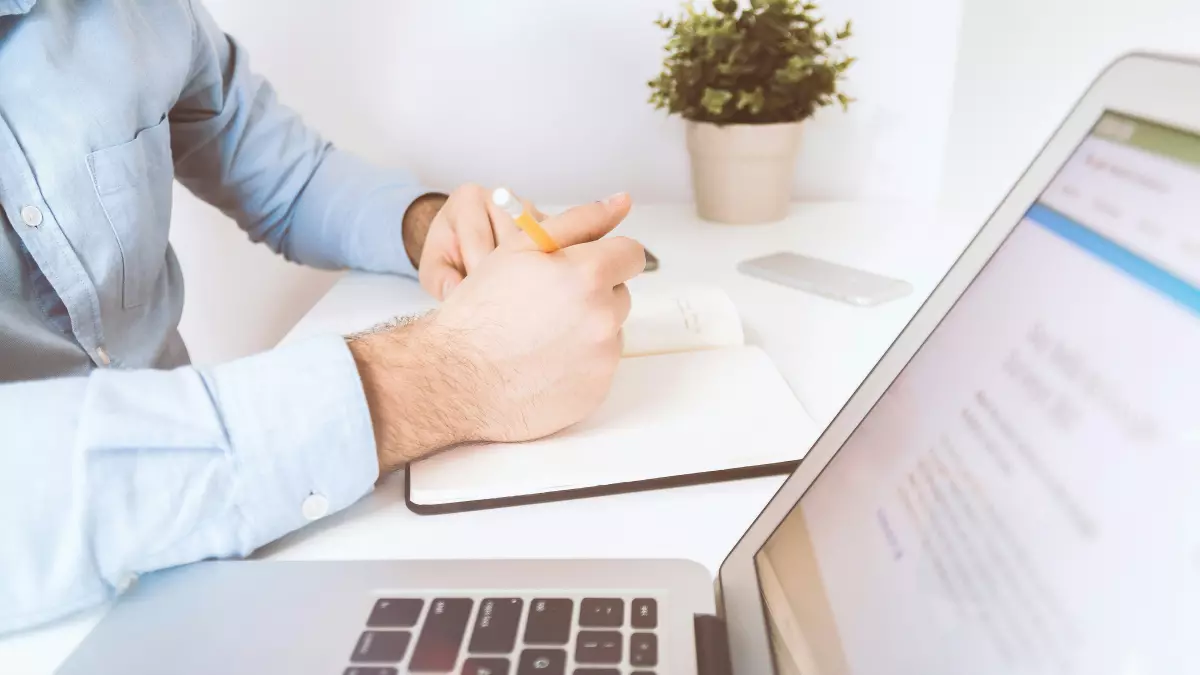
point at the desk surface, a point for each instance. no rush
(823, 348)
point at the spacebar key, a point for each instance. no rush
(441, 636)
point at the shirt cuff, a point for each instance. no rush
(301, 435)
(365, 206)
(381, 229)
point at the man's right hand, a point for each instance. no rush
(525, 346)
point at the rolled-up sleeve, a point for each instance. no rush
(238, 148)
(142, 470)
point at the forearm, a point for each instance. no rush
(126, 472)
(421, 386)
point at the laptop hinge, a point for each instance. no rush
(712, 646)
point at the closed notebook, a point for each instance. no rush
(690, 403)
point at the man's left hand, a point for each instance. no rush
(447, 237)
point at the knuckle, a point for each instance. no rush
(469, 190)
(627, 242)
(633, 248)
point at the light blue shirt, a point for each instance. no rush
(116, 457)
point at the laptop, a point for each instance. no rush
(1012, 489)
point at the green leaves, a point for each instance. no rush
(796, 70)
(771, 59)
(714, 100)
(751, 100)
(844, 32)
(725, 6)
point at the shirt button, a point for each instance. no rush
(126, 581)
(102, 356)
(31, 215)
(315, 506)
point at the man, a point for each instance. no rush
(116, 458)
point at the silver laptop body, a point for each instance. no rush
(1011, 490)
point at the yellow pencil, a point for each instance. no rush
(524, 219)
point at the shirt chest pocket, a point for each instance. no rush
(133, 182)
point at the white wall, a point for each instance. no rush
(547, 96)
(1023, 64)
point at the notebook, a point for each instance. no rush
(690, 403)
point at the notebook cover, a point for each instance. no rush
(661, 483)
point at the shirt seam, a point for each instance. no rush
(112, 225)
(43, 306)
(191, 8)
(236, 483)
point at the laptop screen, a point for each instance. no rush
(1025, 497)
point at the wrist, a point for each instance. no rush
(415, 225)
(419, 391)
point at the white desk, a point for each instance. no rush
(823, 348)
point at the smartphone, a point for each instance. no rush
(651, 261)
(827, 279)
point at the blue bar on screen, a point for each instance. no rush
(1118, 256)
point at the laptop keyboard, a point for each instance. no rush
(509, 636)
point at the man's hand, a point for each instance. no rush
(447, 238)
(526, 346)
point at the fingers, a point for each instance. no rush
(473, 227)
(611, 261)
(506, 231)
(585, 223)
(439, 277)
(537, 213)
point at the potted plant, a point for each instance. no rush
(745, 77)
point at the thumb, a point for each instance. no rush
(588, 222)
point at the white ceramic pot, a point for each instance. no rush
(742, 173)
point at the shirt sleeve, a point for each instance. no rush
(238, 148)
(119, 473)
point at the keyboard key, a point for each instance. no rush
(644, 613)
(370, 670)
(597, 671)
(387, 646)
(602, 612)
(395, 613)
(495, 629)
(549, 622)
(543, 661)
(491, 666)
(643, 649)
(598, 646)
(441, 636)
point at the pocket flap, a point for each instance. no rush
(124, 165)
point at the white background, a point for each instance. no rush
(1023, 64)
(548, 96)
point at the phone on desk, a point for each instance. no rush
(827, 279)
(651, 261)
